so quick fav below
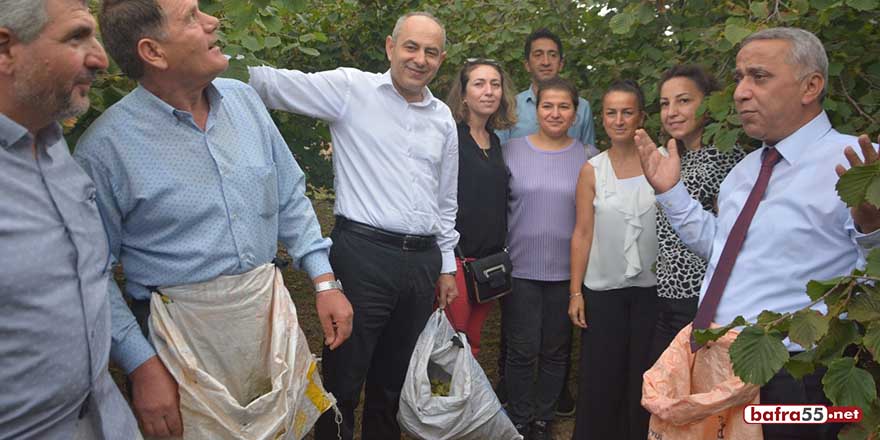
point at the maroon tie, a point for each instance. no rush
(709, 304)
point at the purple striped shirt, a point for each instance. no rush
(542, 208)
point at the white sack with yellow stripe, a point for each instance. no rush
(241, 360)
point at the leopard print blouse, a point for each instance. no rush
(680, 272)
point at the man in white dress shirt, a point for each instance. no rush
(781, 79)
(396, 167)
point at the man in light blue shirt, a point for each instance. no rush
(778, 98)
(194, 182)
(544, 60)
(55, 321)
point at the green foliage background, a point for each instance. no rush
(605, 41)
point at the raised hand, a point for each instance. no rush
(663, 171)
(866, 216)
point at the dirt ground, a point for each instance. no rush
(301, 290)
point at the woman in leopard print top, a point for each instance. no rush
(680, 272)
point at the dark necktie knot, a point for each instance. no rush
(770, 157)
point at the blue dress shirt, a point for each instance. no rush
(527, 122)
(54, 307)
(395, 162)
(799, 214)
(182, 205)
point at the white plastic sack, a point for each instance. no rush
(471, 411)
(241, 361)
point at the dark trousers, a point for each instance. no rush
(785, 389)
(392, 293)
(538, 333)
(614, 355)
(673, 315)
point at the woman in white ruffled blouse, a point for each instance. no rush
(613, 287)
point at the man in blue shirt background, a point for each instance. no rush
(194, 182)
(544, 59)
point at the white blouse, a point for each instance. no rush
(624, 249)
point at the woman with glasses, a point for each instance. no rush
(613, 292)
(481, 102)
(543, 175)
(680, 272)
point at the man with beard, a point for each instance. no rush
(196, 188)
(55, 330)
(396, 165)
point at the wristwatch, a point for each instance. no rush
(324, 286)
(448, 273)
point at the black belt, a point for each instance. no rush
(403, 241)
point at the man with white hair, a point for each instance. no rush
(54, 264)
(396, 165)
(788, 186)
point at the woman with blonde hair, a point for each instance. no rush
(481, 102)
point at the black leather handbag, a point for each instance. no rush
(489, 278)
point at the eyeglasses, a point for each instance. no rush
(489, 61)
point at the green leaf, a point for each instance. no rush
(272, 41)
(853, 186)
(801, 7)
(644, 14)
(824, 4)
(718, 105)
(815, 289)
(621, 23)
(713, 334)
(847, 385)
(735, 33)
(726, 139)
(807, 326)
(841, 333)
(309, 51)
(801, 364)
(757, 355)
(873, 266)
(759, 9)
(871, 340)
(872, 195)
(862, 5)
(768, 316)
(864, 307)
(251, 43)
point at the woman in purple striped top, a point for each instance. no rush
(543, 176)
